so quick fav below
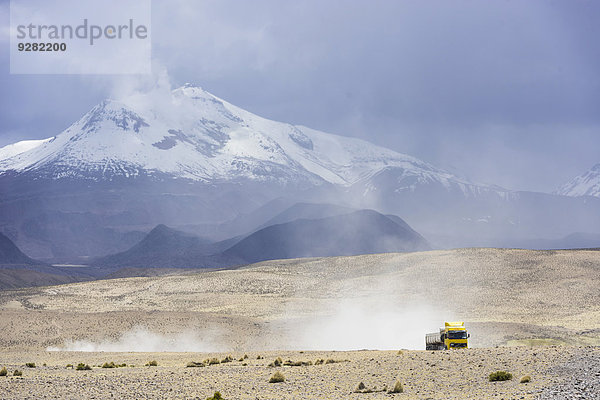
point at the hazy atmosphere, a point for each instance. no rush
(300, 199)
(506, 92)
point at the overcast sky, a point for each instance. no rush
(503, 92)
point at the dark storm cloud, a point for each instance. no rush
(503, 91)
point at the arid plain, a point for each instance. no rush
(533, 313)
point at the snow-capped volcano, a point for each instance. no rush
(587, 184)
(189, 133)
(184, 157)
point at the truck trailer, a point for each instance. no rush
(452, 336)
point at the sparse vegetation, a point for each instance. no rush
(290, 363)
(398, 388)
(17, 373)
(277, 377)
(227, 359)
(525, 379)
(400, 352)
(152, 363)
(259, 357)
(113, 365)
(362, 388)
(69, 366)
(3, 371)
(83, 367)
(30, 365)
(332, 361)
(500, 376)
(212, 361)
(193, 364)
(319, 361)
(277, 363)
(216, 396)
(245, 357)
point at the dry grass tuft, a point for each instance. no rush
(398, 388)
(277, 378)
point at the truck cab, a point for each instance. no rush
(455, 336)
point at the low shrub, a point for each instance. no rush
(83, 367)
(277, 377)
(277, 363)
(213, 361)
(500, 376)
(362, 388)
(216, 396)
(17, 373)
(3, 371)
(30, 365)
(332, 361)
(290, 363)
(109, 365)
(152, 363)
(69, 366)
(227, 359)
(193, 364)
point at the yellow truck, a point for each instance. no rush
(453, 335)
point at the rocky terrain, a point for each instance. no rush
(424, 375)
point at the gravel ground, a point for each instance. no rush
(529, 313)
(443, 375)
(582, 377)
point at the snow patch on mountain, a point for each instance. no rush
(14, 149)
(587, 184)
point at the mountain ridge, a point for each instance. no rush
(586, 184)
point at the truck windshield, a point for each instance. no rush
(457, 335)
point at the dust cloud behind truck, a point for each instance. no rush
(453, 335)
